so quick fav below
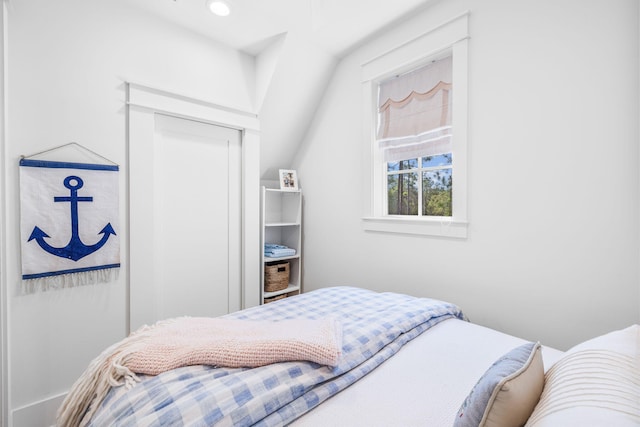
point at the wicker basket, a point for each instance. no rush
(276, 298)
(276, 276)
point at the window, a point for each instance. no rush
(415, 135)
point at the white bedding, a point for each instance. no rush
(424, 383)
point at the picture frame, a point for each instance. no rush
(288, 179)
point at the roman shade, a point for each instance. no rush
(414, 112)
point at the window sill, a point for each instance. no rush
(440, 227)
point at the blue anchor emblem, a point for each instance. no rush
(75, 249)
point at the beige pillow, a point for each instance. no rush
(507, 393)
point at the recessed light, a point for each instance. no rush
(219, 7)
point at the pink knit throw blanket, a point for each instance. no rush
(189, 341)
(234, 344)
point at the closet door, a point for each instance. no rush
(185, 220)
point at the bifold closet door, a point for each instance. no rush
(185, 219)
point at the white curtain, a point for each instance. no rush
(414, 112)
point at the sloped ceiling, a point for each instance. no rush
(296, 45)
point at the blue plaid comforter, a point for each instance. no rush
(375, 326)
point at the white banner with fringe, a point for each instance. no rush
(69, 223)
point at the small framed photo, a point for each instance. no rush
(288, 179)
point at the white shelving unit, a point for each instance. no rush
(281, 223)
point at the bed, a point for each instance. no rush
(383, 359)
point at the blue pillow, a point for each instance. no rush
(508, 391)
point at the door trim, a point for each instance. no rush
(143, 103)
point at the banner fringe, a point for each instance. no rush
(71, 280)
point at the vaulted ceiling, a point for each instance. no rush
(296, 43)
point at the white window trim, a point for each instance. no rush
(452, 35)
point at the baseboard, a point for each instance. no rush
(37, 414)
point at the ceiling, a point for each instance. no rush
(307, 38)
(334, 25)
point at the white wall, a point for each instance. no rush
(3, 312)
(301, 73)
(67, 62)
(553, 245)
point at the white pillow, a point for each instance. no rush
(625, 341)
(596, 384)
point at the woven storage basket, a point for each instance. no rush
(276, 298)
(276, 276)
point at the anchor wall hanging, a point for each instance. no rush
(69, 218)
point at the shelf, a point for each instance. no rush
(277, 190)
(281, 258)
(281, 220)
(282, 224)
(290, 288)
